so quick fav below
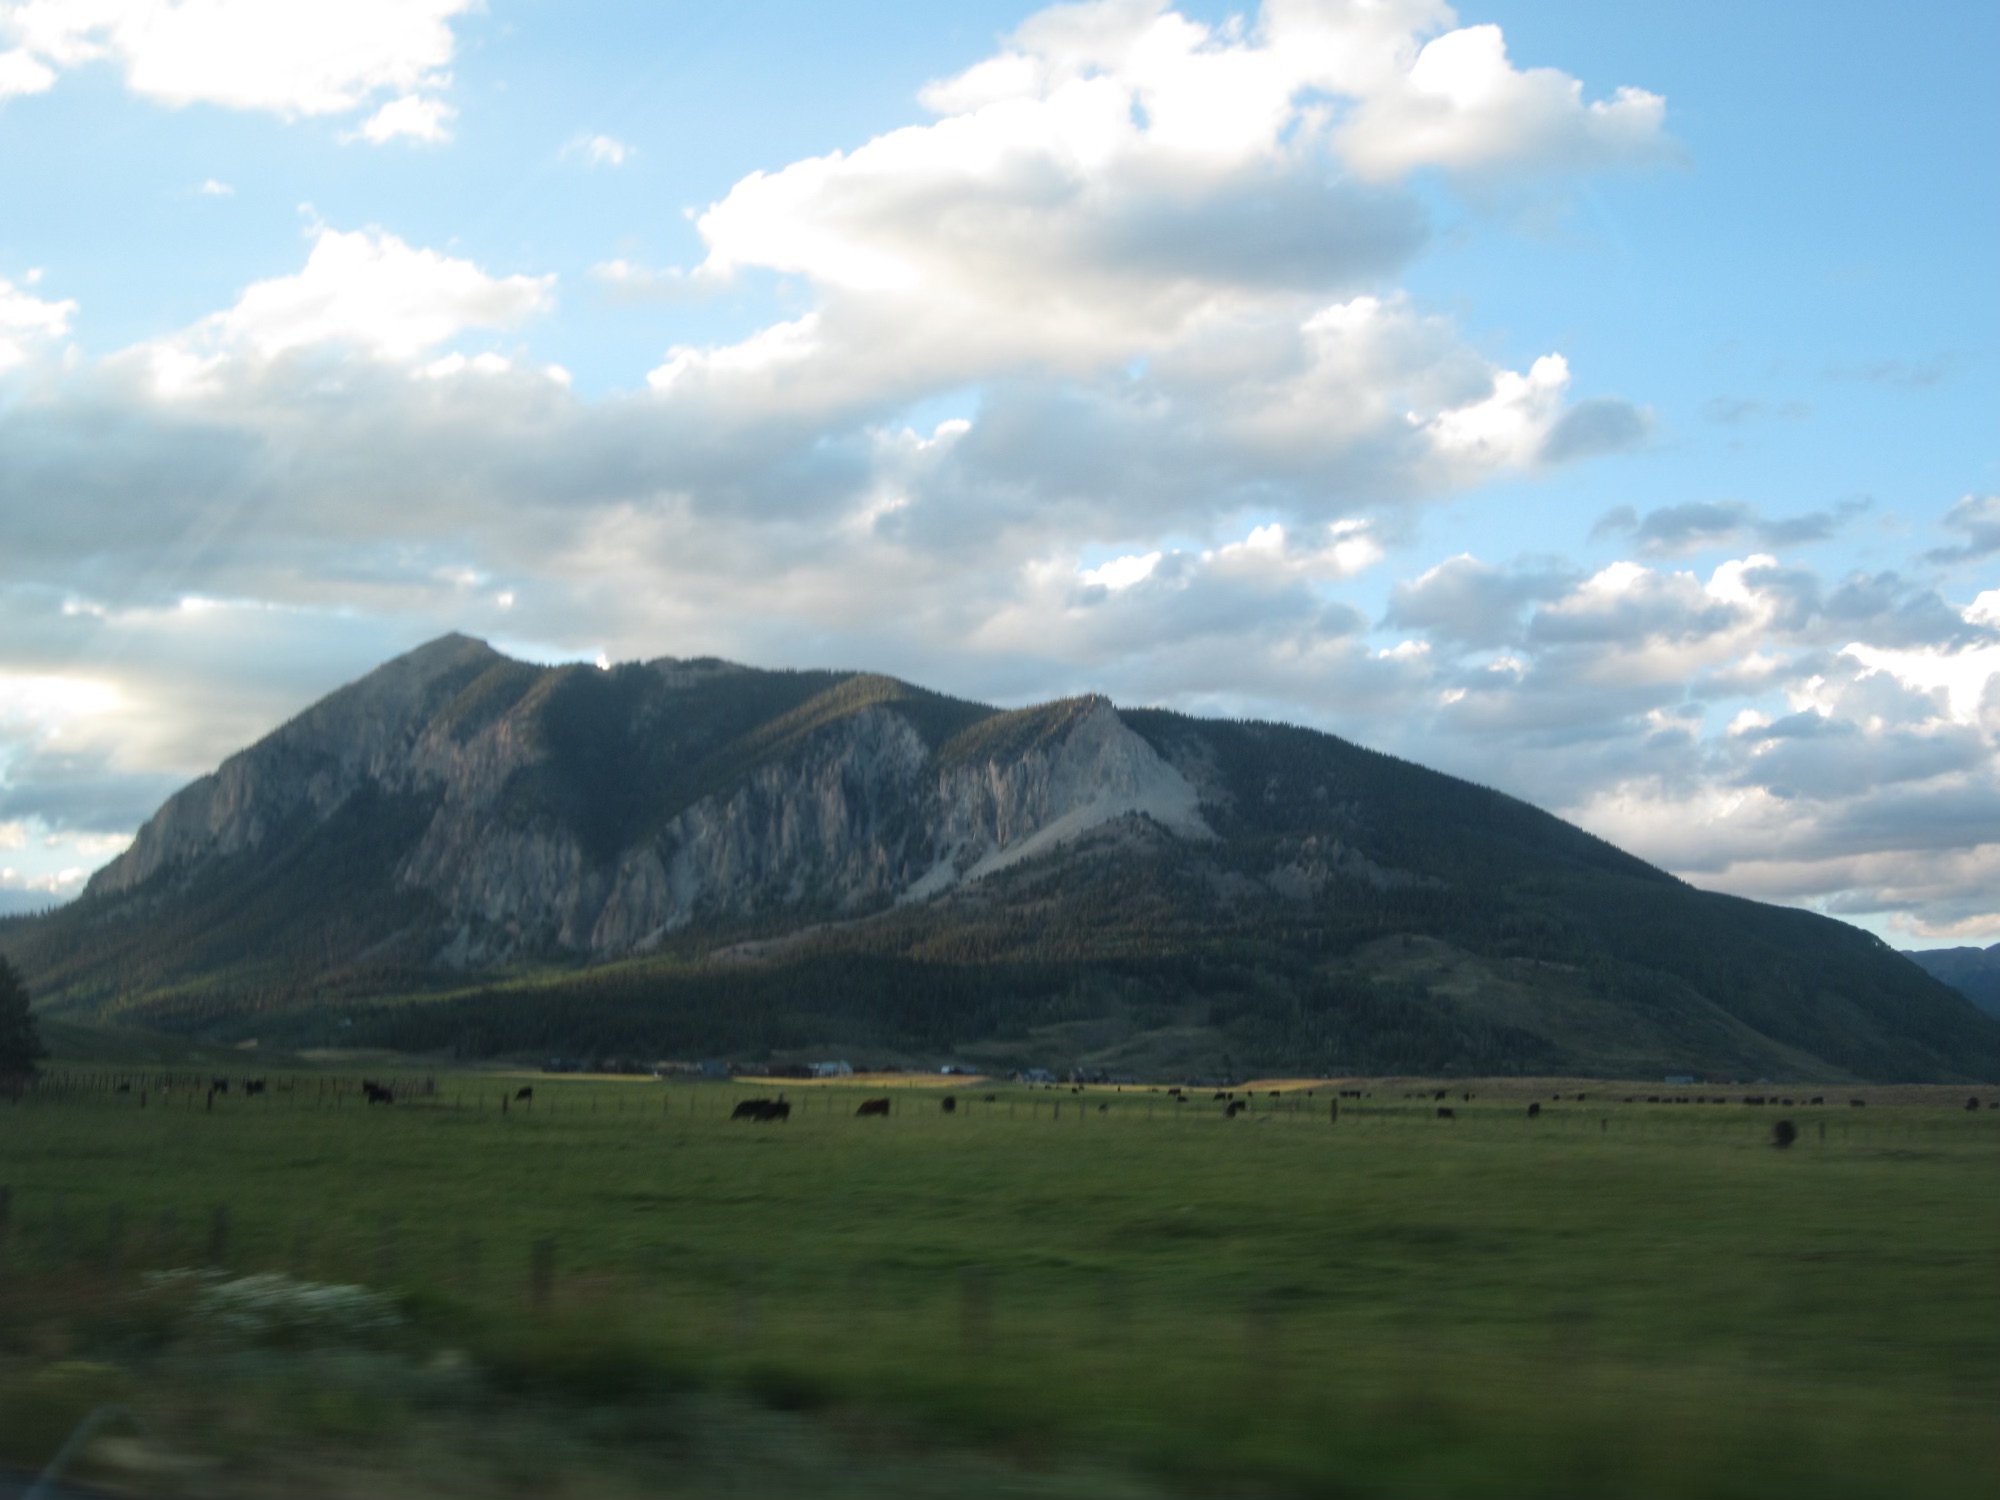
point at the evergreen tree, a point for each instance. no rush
(20, 1042)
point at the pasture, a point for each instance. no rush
(1608, 1299)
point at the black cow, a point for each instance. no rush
(124, 1088)
(1857, 1103)
(992, 1099)
(1534, 1110)
(1783, 1134)
(762, 1109)
(1818, 1099)
(1973, 1102)
(873, 1107)
(524, 1093)
(1441, 1093)
(218, 1085)
(949, 1104)
(377, 1093)
(253, 1085)
(1232, 1109)
(1446, 1112)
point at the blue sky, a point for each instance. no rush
(1596, 401)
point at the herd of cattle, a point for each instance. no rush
(766, 1110)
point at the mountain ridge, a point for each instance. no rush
(460, 850)
(1973, 972)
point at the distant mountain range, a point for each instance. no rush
(1973, 972)
(690, 858)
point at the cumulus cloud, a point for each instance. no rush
(411, 118)
(364, 290)
(304, 58)
(1152, 270)
(21, 72)
(28, 324)
(1462, 105)
(1759, 728)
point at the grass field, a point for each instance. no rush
(1612, 1299)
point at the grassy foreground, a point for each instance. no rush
(594, 1292)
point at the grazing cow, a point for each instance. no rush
(1534, 1110)
(1220, 1096)
(124, 1088)
(761, 1109)
(873, 1107)
(1232, 1109)
(949, 1104)
(218, 1085)
(1973, 1102)
(1786, 1102)
(991, 1099)
(1446, 1112)
(523, 1093)
(1440, 1093)
(1818, 1099)
(1783, 1134)
(1274, 1093)
(376, 1093)
(1857, 1103)
(1466, 1100)
(253, 1085)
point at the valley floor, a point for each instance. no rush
(614, 1288)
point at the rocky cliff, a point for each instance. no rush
(852, 810)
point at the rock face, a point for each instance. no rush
(857, 808)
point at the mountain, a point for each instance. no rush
(461, 851)
(1973, 972)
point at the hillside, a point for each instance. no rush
(1973, 972)
(464, 852)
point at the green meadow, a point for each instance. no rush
(1142, 1298)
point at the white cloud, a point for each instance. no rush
(600, 150)
(300, 58)
(1463, 106)
(414, 117)
(21, 72)
(213, 188)
(363, 290)
(28, 323)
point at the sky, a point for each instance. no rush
(1599, 402)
